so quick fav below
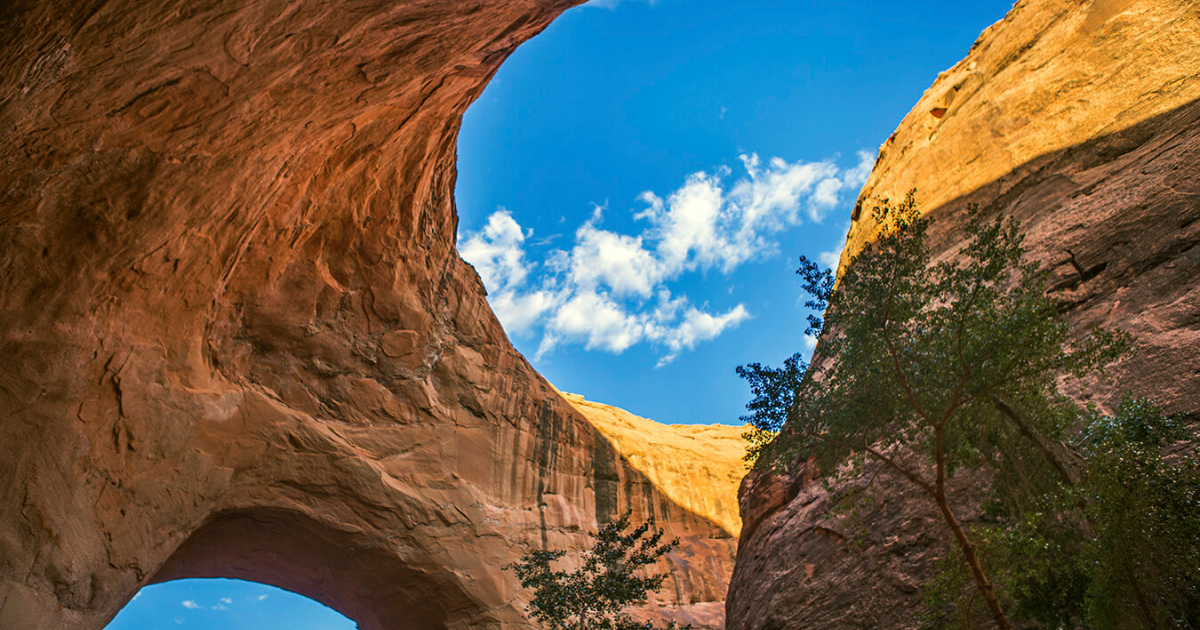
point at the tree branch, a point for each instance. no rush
(877, 454)
(1039, 442)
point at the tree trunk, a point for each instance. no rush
(981, 580)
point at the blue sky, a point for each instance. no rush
(224, 605)
(635, 186)
(637, 182)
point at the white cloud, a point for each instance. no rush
(857, 176)
(698, 326)
(612, 4)
(519, 312)
(826, 195)
(190, 605)
(261, 597)
(596, 320)
(616, 260)
(498, 255)
(771, 197)
(497, 252)
(609, 290)
(599, 322)
(830, 258)
(687, 225)
(703, 226)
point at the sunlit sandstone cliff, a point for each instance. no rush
(236, 339)
(695, 469)
(1082, 120)
(698, 467)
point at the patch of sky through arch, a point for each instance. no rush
(637, 182)
(221, 604)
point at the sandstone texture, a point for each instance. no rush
(697, 466)
(695, 470)
(1082, 120)
(236, 339)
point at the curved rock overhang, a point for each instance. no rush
(235, 336)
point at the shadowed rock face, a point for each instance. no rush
(694, 472)
(235, 337)
(1082, 120)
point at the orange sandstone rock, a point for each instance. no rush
(694, 470)
(235, 337)
(1082, 120)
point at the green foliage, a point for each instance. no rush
(930, 367)
(917, 350)
(1038, 566)
(1120, 548)
(774, 391)
(1145, 508)
(611, 578)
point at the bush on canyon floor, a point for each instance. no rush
(613, 576)
(929, 368)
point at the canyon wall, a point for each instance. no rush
(1082, 120)
(236, 339)
(679, 472)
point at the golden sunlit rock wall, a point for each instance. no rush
(1081, 119)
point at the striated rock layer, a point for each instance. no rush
(697, 468)
(1082, 120)
(236, 339)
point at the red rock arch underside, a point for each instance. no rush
(292, 551)
(234, 330)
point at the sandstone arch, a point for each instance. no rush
(323, 562)
(229, 291)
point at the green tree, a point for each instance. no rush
(928, 367)
(613, 577)
(1118, 548)
(1144, 507)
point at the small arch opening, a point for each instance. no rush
(341, 574)
(225, 604)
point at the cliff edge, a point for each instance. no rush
(1081, 120)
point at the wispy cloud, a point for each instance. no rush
(261, 598)
(830, 258)
(857, 176)
(190, 605)
(610, 291)
(853, 180)
(612, 4)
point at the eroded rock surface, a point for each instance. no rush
(235, 337)
(1082, 120)
(697, 466)
(693, 473)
